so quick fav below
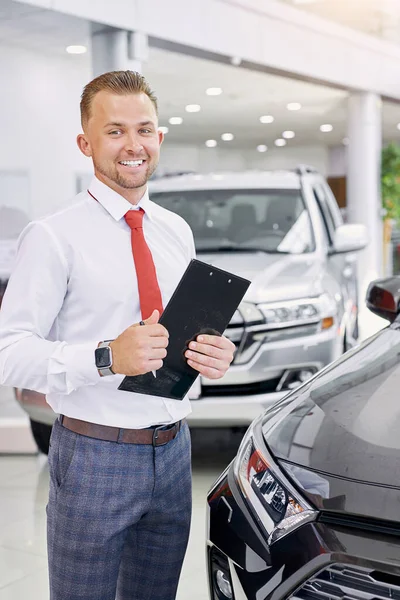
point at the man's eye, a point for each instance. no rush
(145, 131)
(115, 132)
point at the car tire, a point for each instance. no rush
(41, 434)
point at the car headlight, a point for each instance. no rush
(300, 312)
(247, 314)
(272, 498)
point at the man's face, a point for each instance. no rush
(122, 139)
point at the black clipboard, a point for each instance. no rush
(203, 302)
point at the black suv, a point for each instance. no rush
(309, 508)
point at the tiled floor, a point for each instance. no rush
(23, 496)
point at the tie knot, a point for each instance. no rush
(134, 218)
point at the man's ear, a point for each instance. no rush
(84, 145)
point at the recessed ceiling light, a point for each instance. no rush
(293, 106)
(214, 91)
(280, 142)
(227, 137)
(176, 120)
(211, 143)
(262, 148)
(163, 129)
(345, 141)
(193, 108)
(288, 135)
(267, 119)
(398, 125)
(326, 128)
(76, 49)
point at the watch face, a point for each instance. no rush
(103, 358)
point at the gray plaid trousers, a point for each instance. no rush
(118, 517)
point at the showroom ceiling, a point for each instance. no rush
(180, 80)
(380, 18)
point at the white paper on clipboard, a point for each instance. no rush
(195, 391)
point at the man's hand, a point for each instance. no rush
(210, 355)
(140, 348)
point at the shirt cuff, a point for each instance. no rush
(77, 361)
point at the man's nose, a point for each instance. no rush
(134, 144)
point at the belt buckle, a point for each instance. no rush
(155, 436)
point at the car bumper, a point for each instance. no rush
(224, 403)
(230, 411)
(274, 357)
(35, 405)
(206, 412)
(247, 390)
(316, 561)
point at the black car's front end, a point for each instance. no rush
(310, 507)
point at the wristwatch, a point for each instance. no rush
(103, 358)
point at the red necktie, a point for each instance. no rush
(149, 290)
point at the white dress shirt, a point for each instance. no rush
(73, 285)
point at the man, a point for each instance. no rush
(103, 269)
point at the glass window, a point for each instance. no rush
(243, 220)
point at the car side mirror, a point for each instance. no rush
(383, 297)
(349, 238)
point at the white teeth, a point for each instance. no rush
(131, 163)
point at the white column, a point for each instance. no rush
(363, 181)
(138, 50)
(118, 50)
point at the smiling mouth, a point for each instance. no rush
(132, 163)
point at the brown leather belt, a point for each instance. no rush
(156, 436)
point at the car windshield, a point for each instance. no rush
(275, 221)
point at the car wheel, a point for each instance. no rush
(41, 434)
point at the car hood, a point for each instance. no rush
(346, 420)
(273, 277)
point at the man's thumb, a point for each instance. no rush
(153, 318)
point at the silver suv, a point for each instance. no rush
(283, 231)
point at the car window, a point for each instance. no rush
(244, 220)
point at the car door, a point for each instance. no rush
(341, 266)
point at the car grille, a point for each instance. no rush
(244, 389)
(248, 340)
(344, 582)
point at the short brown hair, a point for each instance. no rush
(116, 82)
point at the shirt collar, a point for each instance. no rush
(114, 203)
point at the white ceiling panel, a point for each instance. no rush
(179, 80)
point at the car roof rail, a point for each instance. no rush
(305, 169)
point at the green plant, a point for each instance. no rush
(390, 181)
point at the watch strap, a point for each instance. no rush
(106, 371)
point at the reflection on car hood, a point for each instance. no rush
(346, 420)
(274, 277)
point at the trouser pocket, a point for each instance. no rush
(63, 445)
